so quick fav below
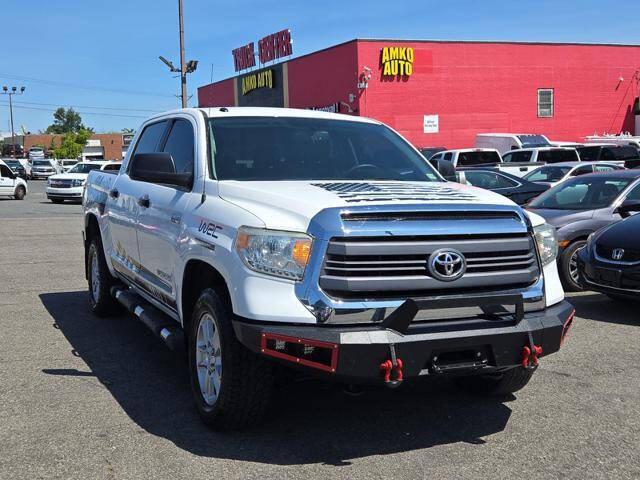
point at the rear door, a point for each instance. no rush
(6, 180)
(122, 208)
(160, 219)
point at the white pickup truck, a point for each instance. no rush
(265, 238)
(521, 162)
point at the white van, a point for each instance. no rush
(504, 142)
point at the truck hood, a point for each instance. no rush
(290, 205)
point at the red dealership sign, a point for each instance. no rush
(271, 47)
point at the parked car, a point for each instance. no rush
(515, 188)
(520, 162)
(468, 157)
(10, 184)
(428, 152)
(16, 167)
(624, 155)
(325, 243)
(69, 185)
(44, 168)
(610, 261)
(558, 172)
(67, 164)
(16, 150)
(505, 142)
(36, 153)
(580, 206)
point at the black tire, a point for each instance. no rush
(20, 192)
(568, 256)
(56, 200)
(502, 384)
(101, 301)
(247, 380)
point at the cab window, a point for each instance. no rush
(180, 144)
(5, 172)
(488, 180)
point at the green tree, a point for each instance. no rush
(65, 121)
(72, 144)
(128, 130)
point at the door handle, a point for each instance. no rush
(114, 193)
(144, 201)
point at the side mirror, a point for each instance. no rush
(628, 206)
(447, 170)
(158, 168)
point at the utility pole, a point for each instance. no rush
(185, 67)
(11, 92)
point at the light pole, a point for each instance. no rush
(185, 68)
(11, 92)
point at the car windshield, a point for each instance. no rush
(529, 141)
(478, 158)
(13, 163)
(584, 193)
(41, 163)
(284, 148)
(547, 174)
(84, 168)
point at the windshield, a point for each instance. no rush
(477, 158)
(282, 148)
(547, 174)
(533, 141)
(586, 193)
(13, 163)
(84, 168)
(41, 163)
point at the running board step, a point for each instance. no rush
(160, 324)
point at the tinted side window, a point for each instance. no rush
(520, 157)
(447, 156)
(5, 171)
(582, 170)
(150, 138)
(634, 194)
(180, 145)
(488, 180)
(588, 153)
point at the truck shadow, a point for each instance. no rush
(309, 422)
(600, 308)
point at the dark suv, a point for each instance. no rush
(626, 153)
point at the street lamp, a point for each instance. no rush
(11, 92)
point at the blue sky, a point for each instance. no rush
(90, 54)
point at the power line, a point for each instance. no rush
(95, 107)
(82, 87)
(102, 114)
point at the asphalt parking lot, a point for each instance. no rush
(83, 397)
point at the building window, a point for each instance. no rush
(545, 102)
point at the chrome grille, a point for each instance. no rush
(61, 183)
(388, 266)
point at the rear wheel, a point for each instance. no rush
(100, 281)
(20, 192)
(500, 384)
(231, 385)
(569, 266)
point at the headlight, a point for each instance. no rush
(77, 183)
(282, 254)
(546, 243)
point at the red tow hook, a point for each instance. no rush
(530, 356)
(393, 366)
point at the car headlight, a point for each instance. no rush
(546, 243)
(77, 182)
(272, 252)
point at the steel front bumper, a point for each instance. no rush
(355, 354)
(70, 193)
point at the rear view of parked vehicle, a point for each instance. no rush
(505, 142)
(580, 206)
(555, 173)
(469, 157)
(521, 162)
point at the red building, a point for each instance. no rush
(443, 93)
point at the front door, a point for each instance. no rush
(160, 220)
(122, 208)
(6, 180)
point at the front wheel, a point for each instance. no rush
(20, 193)
(569, 266)
(100, 281)
(231, 385)
(500, 384)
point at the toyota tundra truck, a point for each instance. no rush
(261, 238)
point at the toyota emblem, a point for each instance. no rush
(447, 265)
(617, 254)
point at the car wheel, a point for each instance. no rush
(20, 193)
(569, 266)
(100, 281)
(500, 384)
(231, 385)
